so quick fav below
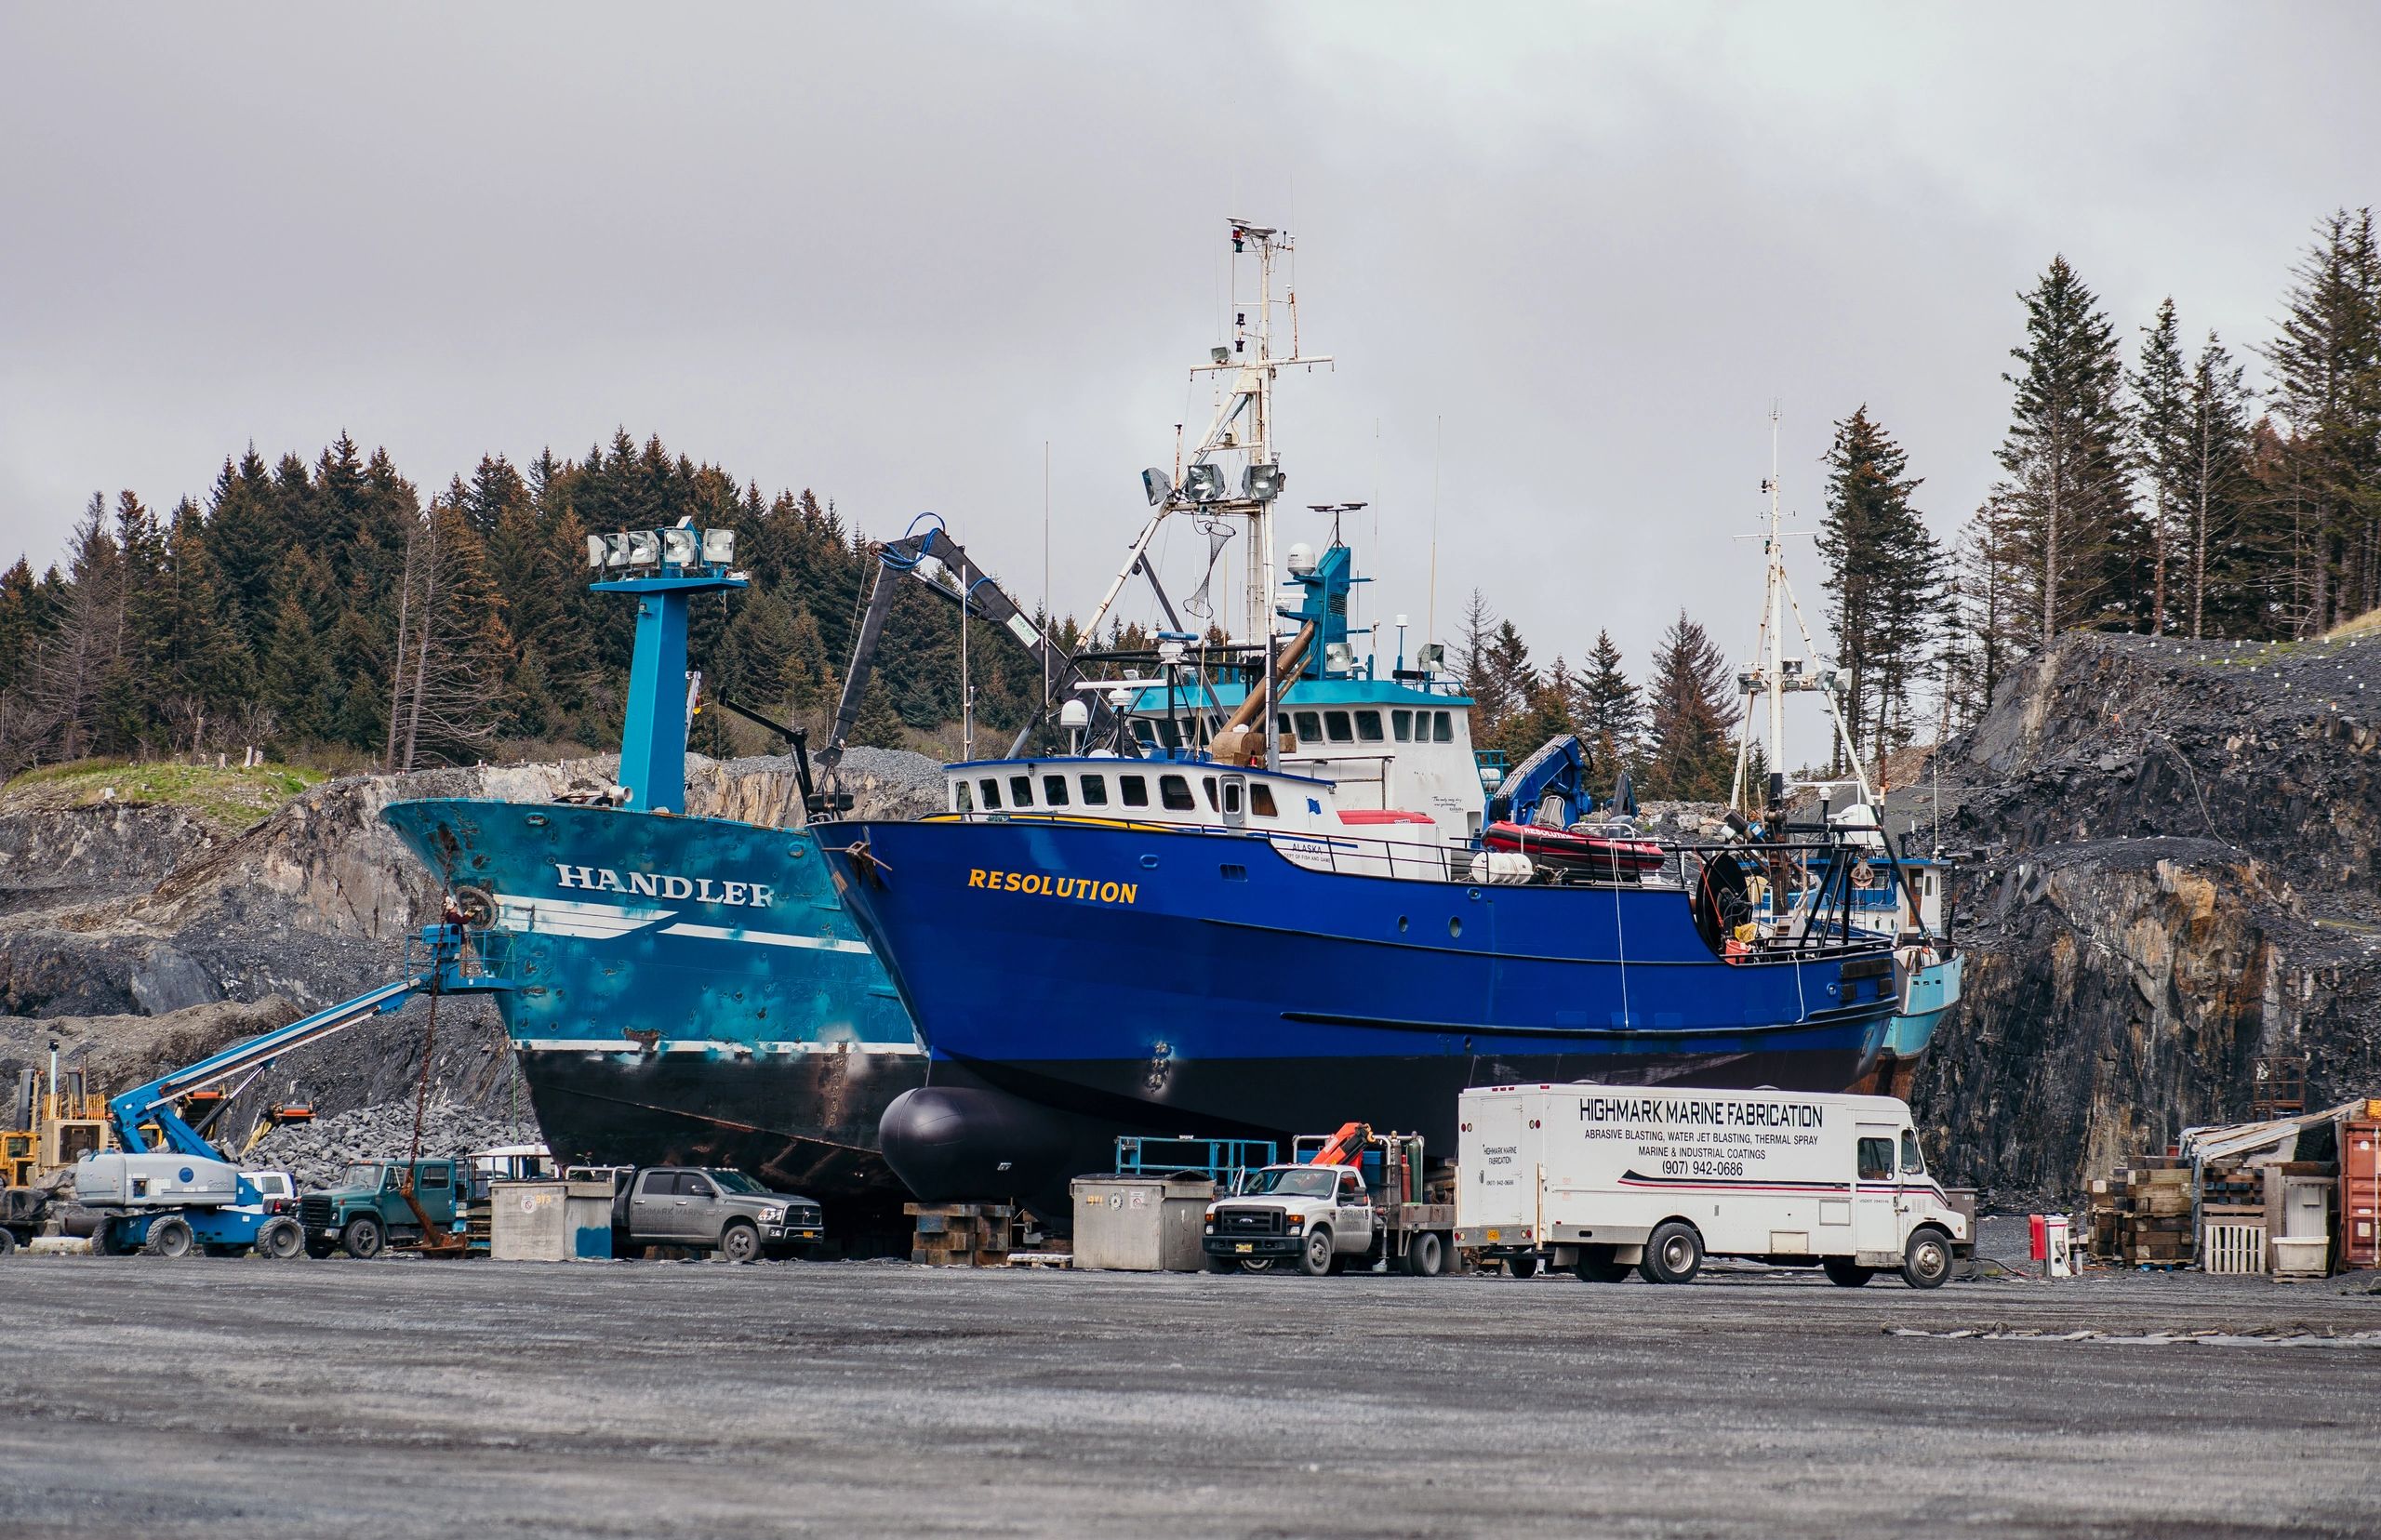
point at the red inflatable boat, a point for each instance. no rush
(1582, 851)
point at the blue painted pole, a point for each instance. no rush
(653, 737)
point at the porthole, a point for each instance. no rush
(1455, 928)
(1400, 924)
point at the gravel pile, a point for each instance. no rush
(316, 1152)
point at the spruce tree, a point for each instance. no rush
(1884, 583)
(2066, 458)
(1609, 710)
(2326, 367)
(2163, 445)
(2230, 561)
(1690, 709)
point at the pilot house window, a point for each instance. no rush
(1054, 790)
(1135, 790)
(1310, 727)
(1020, 790)
(1443, 729)
(1368, 727)
(1400, 723)
(1175, 793)
(1095, 791)
(989, 790)
(1260, 800)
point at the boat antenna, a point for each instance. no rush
(1438, 455)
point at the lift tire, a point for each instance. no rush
(1673, 1253)
(363, 1239)
(7, 1242)
(739, 1243)
(1425, 1256)
(169, 1235)
(1927, 1262)
(104, 1243)
(281, 1239)
(1843, 1272)
(1315, 1256)
(1524, 1265)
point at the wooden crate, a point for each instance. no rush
(961, 1235)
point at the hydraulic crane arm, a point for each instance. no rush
(447, 970)
(936, 559)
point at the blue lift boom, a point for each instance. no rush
(184, 1190)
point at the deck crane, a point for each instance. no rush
(183, 1191)
(936, 559)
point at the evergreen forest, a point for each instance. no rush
(328, 612)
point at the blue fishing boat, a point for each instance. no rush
(1261, 922)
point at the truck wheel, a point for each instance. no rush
(1210, 1263)
(364, 1237)
(318, 1251)
(1844, 1271)
(1257, 1264)
(1673, 1253)
(1927, 1261)
(1315, 1260)
(280, 1240)
(739, 1243)
(168, 1236)
(1595, 1266)
(1524, 1265)
(1425, 1256)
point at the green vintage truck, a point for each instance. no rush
(367, 1213)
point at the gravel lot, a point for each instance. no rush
(404, 1398)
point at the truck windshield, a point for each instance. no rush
(364, 1173)
(736, 1181)
(1291, 1182)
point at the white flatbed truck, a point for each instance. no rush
(1602, 1179)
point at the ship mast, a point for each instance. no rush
(1774, 674)
(1244, 421)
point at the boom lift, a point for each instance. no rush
(183, 1191)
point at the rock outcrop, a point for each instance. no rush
(2176, 879)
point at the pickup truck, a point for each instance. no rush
(367, 1213)
(1351, 1204)
(705, 1208)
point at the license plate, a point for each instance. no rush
(1246, 1246)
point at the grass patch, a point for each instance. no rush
(228, 800)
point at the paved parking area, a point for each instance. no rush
(404, 1398)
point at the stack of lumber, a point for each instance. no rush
(2142, 1213)
(961, 1235)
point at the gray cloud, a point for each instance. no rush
(888, 252)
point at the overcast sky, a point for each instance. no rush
(888, 252)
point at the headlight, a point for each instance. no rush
(1211, 1216)
(1297, 1221)
(771, 1215)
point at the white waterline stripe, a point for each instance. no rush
(770, 938)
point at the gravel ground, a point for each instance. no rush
(400, 1398)
(317, 1153)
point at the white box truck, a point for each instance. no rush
(1603, 1178)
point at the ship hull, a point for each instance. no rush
(683, 990)
(1147, 980)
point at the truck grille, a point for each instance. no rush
(1248, 1222)
(314, 1210)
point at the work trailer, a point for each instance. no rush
(1605, 1179)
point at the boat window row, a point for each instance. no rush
(1093, 789)
(1405, 726)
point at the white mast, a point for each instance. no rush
(1772, 673)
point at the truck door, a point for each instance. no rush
(1876, 1227)
(1353, 1230)
(697, 1208)
(650, 1211)
(434, 1186)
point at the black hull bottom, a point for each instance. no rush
(804, 1124)
(1020, 1131)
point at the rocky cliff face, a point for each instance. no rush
(2177, 878)
(111, 918)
